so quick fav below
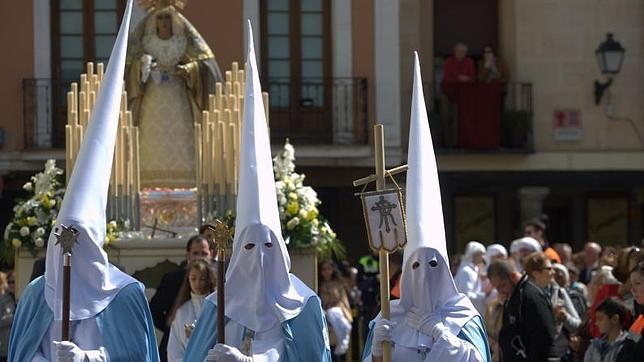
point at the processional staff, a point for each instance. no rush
(385, 221)
(67, 237)
(222, 239)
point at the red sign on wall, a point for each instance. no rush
(567, 125)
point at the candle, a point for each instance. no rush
(70, 107)
(233, 71)
(198, 157)
(92, 100)
(94, 82)
(219, 92)
(99, 71)
(90, 69)
(136, 171)
(69, 145)
(211, 157)
(216, 139)
(266, 110)
(222, 152)
(233, 152)
(81, 102)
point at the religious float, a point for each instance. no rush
(175, 161)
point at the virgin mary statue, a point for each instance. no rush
(170, 73)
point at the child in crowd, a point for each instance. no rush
(199, 282)
(610, 317)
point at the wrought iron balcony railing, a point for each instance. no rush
(481, 118)
(318, 110)
(44, 113)
(309, 111)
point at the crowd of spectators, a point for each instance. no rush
(543, 302)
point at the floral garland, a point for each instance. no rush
(35, 216)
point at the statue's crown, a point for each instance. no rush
(159, 4)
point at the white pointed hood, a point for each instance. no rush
(94, 282)
(260, 291)
(426, 281)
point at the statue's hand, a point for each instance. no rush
(181, 70)
(146, 66)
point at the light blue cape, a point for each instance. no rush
(305, 336)
(125, 325)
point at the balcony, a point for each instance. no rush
(465, 118)
(309, 111)
(43, 118)
(320, 111)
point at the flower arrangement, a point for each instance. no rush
(303, 228)
(35, 216)
(302, 225)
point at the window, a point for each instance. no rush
(296, 63)
(82, 31)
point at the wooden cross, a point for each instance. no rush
(379, 178)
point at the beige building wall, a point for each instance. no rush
(17, 63)
(553, 47)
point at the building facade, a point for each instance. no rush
(333, 68)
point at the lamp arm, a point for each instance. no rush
(600, 88)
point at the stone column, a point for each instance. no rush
(531, 199)
(387, 54)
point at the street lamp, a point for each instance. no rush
(610, 55)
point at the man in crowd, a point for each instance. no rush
(528, 326)
(592, 252)
(459, 68)
(536, 229)
(198, 247)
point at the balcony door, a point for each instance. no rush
(82, 31)
(296, 68)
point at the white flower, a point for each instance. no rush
(40, 231)
(24, 231)
(43, 183)
(113, 224)
(7, 230)
(52, 202)
(28, 186)
(39, 242)
(291, 224)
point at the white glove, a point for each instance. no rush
(381, 333)
(225, 353)
(429, 324)
(68, 352)
(146, 65)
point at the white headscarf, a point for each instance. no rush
(525, 243)
(94, 282)
(495, 251)
(426, 281)
(472, 248)
(260, 292)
